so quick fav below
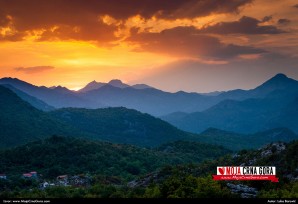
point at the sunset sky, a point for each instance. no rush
(190, 45)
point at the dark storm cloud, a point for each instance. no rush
(267, 18)
(122, 9)
(79, 19)
(245, 25)
(283, 21)
(189, 41)
(33, 70)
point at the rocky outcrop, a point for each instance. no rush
(143, 182)
(243, 190)
(273, 148)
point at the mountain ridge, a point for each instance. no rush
(20, 122)
(149, 100)
(114, 82)
(268, 106)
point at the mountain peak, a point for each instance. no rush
(118, 83)
(280, 76)
(11, 79)
(141, 86)
(92, 86)
(59, 87)
(93, 83)
(14, 82)
(115, 81)
(279, 81)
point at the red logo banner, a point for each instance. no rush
(244, 177)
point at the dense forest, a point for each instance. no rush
(20, 122)
(129, 172)
(237, 141)
(66, 155)
(121, 125)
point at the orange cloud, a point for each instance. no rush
(245, 25)
(250, 56)
(33, 70)
(81, 20)
(189, 42)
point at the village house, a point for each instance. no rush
(32, 175)
(62, 180)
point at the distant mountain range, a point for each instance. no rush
(20, 123)
(115, 83)
(115, 94)
(39, 104)
(145, 98)
(271, 105)
(57, 97)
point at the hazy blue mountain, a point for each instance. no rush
(278, 82)
(248, 116)
(287, 116)
(91, 86)
(141, 86)
(149, 100)
(156, 102)
(122, 125)
(57, 97)
(118, 83)
(277, 108)
(140, 97)
(20, 122)
(214, 93)
(39, 104)
(115, 83)
(61, 89)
